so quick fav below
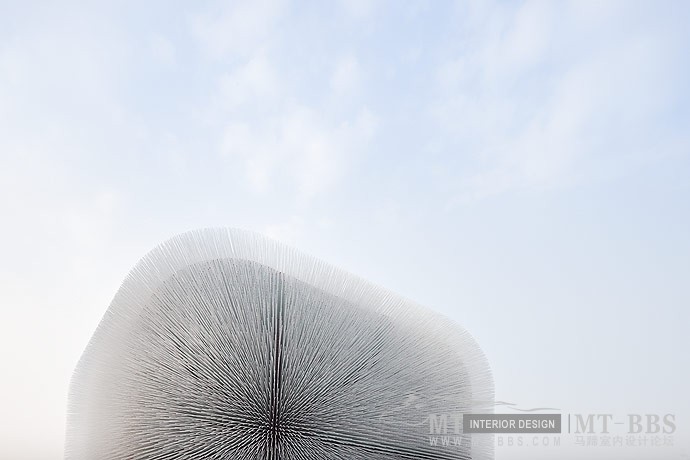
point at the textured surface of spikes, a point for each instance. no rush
(222, 344)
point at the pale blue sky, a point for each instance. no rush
(522, 167)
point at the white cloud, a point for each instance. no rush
(297, 152)
(238, 28)
(252, 83)
(529, 35)
(360, 9)
(279, 145)
(346, 75)
(541, 104)
(163, 50)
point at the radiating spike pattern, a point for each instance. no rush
(222, 344)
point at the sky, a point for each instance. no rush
(521, 167)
